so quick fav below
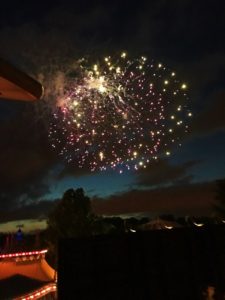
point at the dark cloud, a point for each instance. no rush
(163, 173)
(28, 163)
(46, 42)
(172, 31)
(38, 211)
(25, 159)
(69, 170)
(188, 199)
(191, 199)
(52, 43)
(212, 118)
(205, 74)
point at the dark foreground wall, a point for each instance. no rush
(166, 264)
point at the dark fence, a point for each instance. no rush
(163, 264)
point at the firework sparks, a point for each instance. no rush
(120, 114)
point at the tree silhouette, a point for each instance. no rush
(220, 198)
(71, 217)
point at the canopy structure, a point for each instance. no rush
(30, 264)
(28, 274)
(17, 85)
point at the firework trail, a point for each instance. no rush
(119, 113)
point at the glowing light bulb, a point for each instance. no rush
(101, 155)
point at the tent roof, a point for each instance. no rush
(160, 224)
(17, 85)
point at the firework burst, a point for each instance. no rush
(119, 113)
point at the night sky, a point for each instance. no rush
(44, 38)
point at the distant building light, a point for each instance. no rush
(198, 224)
(168, 227)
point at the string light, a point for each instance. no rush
(23, 254)
(47, 289)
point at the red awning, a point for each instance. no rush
(15, 84)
